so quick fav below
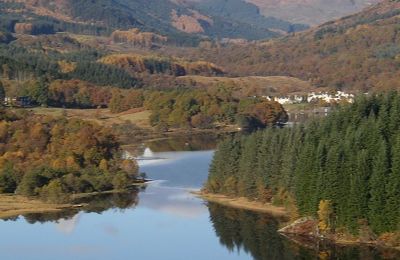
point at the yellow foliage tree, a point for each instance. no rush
(71, 163)
(103, 165)
(325, 212)
(58, 164)
(130, 167)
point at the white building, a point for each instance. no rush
(313, 97)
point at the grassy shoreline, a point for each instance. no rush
(14, 205)
(243, 203)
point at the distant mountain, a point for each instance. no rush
(311, 12)
(241, 12)
(360, 52)
(179, 20)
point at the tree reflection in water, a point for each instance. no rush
(195, 142)
(97, 204)
(256, 233)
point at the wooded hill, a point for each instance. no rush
(60, 56)
(360, 52)
(209, 108)
(344, 167)
(137, 64)
(180, 22)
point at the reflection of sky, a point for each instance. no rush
(141, 233)
(175, 174)
(174, 201)
(179, 169)
(169, 223)
(67, 226)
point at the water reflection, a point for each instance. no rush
(185, 170)
(251, 232)
(163, 221)
(94, 204)
(103, 202)
(68, 225)
(195, 142)
(256, 234)
(173, 201)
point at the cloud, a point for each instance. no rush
(67, 226)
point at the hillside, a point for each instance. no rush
(239, 11)
(138, 64)
(359, 52)
(182, 23)
(251, 86)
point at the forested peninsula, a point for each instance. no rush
(342, 171)
(53, 158)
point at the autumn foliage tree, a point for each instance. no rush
(325, 215)
(207, 108)
(54, 157)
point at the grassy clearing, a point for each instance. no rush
(298, 107)
(139, 117)
(273, 85)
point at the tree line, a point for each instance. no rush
(180, 108)
(19, 63)
(347, 163)
(209, 108)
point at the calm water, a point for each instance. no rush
(163, 221)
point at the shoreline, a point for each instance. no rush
(307, 228)
(339, 241)
(243, 203)
(12, 205)
(15, 205)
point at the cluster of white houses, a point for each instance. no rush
(314, 97)
(17, 101)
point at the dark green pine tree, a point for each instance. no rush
(321, 169)
(377, 184)
(224, 167)
(357, 206)
(275, 152)
(247, 167)
(217, 171)
(330, 178)
(232, 168)
(263, 169)
(393, 189)
(384, 117)
(39, 92)
(305, 180)
(394, 119)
